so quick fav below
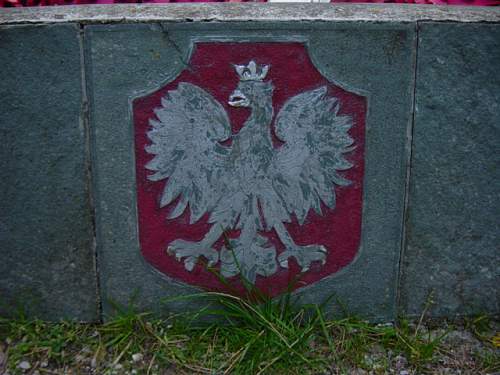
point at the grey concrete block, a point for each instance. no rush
(454, 219)
(375, 59)
(46, 237)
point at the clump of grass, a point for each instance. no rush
(266, 337)
(258, 334)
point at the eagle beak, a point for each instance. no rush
(238, 99)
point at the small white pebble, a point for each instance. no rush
(403, 372)
(118, 366)
(385, 324)
(44, 364)
(25, 365)
(137, 357)
(93, 363)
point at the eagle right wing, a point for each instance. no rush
(185, 142)
(309, 164)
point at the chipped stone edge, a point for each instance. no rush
(237, 12)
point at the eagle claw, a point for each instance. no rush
(304, 255)
(191, 251)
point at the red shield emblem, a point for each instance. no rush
(249, 162)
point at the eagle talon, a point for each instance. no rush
(191, 251)
(284, 263)
(304, 255)
(189, 263)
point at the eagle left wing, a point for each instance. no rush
(308, 164)
(186, 144)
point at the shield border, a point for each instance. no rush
(209, 281)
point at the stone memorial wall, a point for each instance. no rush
(347, 150)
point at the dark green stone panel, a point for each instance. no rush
(375, 59)
(46, 240)
(454, 221)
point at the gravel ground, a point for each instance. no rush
(460, 352)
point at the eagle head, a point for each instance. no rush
(252, 91)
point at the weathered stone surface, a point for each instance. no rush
(46, 240)
(139, 59)
(132, 13)
(454, 219)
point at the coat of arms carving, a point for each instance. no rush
(252, 163)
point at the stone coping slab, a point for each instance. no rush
(137, 13)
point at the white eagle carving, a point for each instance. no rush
(249, 184)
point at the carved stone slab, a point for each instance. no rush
(158, 75)
(454, 220)
(47, 254)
